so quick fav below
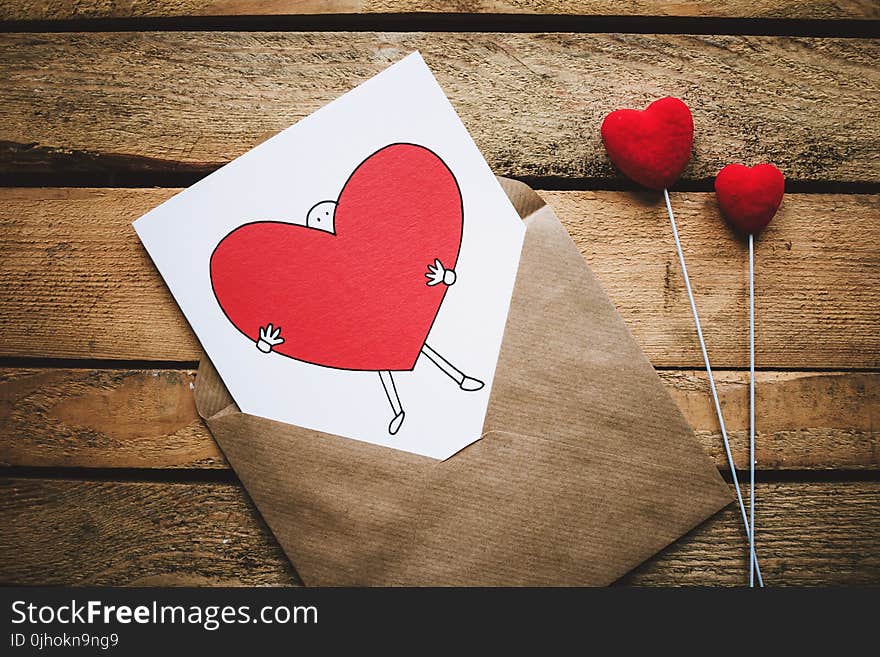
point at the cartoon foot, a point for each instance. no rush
(470, 384)
(396, 422)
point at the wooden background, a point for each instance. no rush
(109, 106)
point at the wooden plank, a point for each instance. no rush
(145, 534)
(181, 101)
(805, 420)
(76, 283)
(147, 419)
(85, 9)
(804, 532)
(115, 533)
(817, 280)
(103, 419)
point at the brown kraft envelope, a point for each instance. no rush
(585, 468)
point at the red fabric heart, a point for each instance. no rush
(749, 197)
(652, 146)
(356, 299)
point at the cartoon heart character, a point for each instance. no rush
(359, 286)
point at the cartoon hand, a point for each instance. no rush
(269, 338)
(436, 274)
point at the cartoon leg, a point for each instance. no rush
(464, 382)
(394, 400)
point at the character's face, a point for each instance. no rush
(322, 216)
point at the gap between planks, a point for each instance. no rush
(848, 28)
(111, 177)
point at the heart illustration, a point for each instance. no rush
(652, 146)
(355, 299)
(749, 197)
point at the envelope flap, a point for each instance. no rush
(570, 370)
(524, 199)
(210, 393)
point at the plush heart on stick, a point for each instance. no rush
(652, 146)
(749, 196)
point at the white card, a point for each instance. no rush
(353, 274)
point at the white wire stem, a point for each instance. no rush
(753, 556)
(752, 560)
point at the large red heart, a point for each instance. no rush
(749, 197)
(356, 299)
(652, 146)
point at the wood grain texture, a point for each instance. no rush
(75, 281)
(181, 101)
(817, 277)
(115, 533)
(808, 534)
(135, 533)
(83, 9)
(103, 419)
(805, 420)
(147, 419)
